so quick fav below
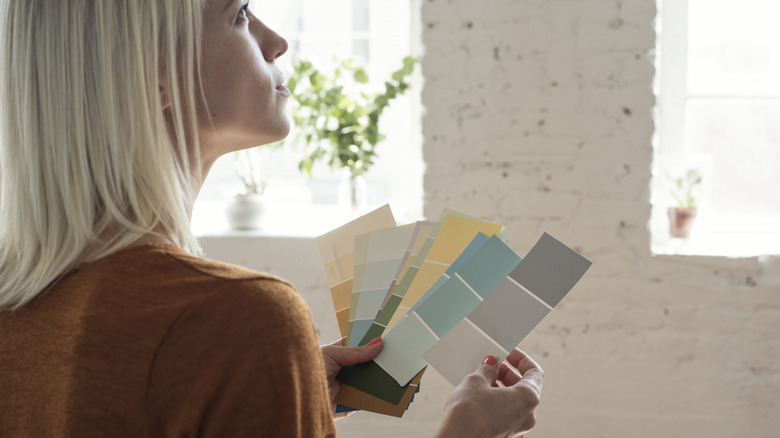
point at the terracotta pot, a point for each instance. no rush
(681, 221)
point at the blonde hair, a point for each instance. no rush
(89, 160)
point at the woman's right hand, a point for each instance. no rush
(495, 400)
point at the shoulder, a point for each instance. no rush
(207, 267)
(186, 300)
(224, 295)
(170, 277)
(252, 308)
(243, 356)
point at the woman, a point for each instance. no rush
(112, 113)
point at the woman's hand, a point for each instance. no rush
(335, 356)
(496, 400)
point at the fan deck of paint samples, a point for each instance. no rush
(444, 294)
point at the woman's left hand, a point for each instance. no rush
(335, 356)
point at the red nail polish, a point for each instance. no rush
(490, 360)
(374, 341)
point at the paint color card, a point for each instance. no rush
(455, 221)
(406, 271)
(388, 311)
(503, 234)
(465, 256)
(371, 379)
(460, 352)
(422, 231)
(337, 249)
(507, 303)
(448, 306)
(492, 329)
(353, 398)
(341, 294)
(366, 383)
(378, 256)
(551, 270)
(423, 242)
(452, 239)
(404, 344)
(500, 322)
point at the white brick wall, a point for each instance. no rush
(539, 115)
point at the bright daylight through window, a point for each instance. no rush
(376, 34)
(718, 120)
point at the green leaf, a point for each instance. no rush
(339, 119)
(361, 76)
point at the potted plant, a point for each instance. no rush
(337, 120)
(245, 210)
(682, 216)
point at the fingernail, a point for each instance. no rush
(375, 341)
(490, 360)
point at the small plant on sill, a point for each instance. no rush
(684, 189)
(684, 193)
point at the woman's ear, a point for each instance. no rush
(165, 101)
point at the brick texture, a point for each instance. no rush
(539, 115)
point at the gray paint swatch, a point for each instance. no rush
(550, 270)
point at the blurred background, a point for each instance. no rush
(578, 118)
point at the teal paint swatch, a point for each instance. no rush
(379, 274)
(369, 302)
(403, 345)
(444, 309)
(489, 266)
(360, 327)
(479, 240)
(522, 300)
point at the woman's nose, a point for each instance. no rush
(271, 43)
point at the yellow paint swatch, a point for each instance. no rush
(453, 237)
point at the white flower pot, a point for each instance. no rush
(245, 212)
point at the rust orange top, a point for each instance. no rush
(154, 342)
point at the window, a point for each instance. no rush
(719, 112)
(377, 34)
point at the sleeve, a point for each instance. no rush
(244, 362)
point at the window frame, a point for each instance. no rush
(670, 146)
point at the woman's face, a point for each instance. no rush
(241, 81)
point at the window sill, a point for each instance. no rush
(735, 245)
(209, 220)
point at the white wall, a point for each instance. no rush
(539, 115)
